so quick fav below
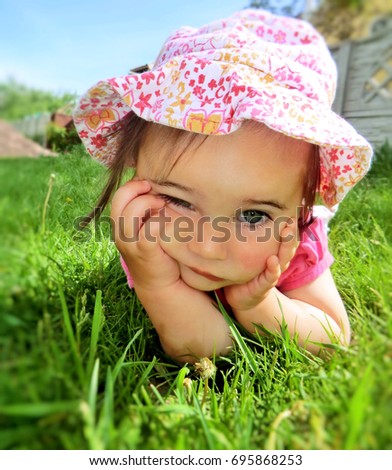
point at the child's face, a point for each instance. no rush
(228, 201)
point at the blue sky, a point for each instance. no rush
(69, 45)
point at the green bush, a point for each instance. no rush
(354, 4)
(61, 139)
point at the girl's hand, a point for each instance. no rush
(246, 296)
(136, 219)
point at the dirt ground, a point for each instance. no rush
(14, 144)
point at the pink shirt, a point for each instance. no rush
(311, 259)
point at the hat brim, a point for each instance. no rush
(228, 95)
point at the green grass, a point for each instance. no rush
(81, 366)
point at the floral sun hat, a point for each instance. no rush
(252, 65)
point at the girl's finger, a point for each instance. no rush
(125, 194)
(152, 230)
(266, 279)
(288, 246)
(128, 224)
(272, 271)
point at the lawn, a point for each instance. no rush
(81, 366)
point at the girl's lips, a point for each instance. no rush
(206, 275)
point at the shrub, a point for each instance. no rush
(61, 139)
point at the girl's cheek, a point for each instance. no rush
(177, 227)
(253, 263)
(253, 255)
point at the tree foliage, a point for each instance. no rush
(354, 4)
(18, 100)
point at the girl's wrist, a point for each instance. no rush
(156, 289)
(251, 305)
(263, 313)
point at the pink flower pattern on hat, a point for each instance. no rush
(253, 65)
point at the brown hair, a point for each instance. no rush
(132, 135)
(311, 186)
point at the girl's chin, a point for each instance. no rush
(199, 282)
(203, 284)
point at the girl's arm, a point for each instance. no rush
(187, 322)
(314, 313)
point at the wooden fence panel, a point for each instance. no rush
(364, 93)
(34, 127)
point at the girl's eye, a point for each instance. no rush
(175, 201)
(252, 217)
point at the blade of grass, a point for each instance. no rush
(184, 371)
(357, 408)
(46, 203)
(209, 437)
(71, 338)
(93, 390)
(248, 354)
(105, 424)
(120, 363)
(96, 327)
(157, 394)
(145, 375)
(37, 410)
(89, 412)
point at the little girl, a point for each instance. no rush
(232, 138)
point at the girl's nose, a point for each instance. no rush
(209, 242)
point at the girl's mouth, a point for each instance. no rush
(207, 275)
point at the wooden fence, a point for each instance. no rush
(34, 126)
(364, 93)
